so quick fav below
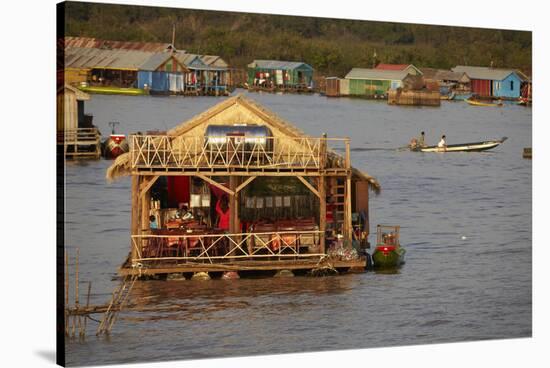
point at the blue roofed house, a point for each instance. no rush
(491, 82)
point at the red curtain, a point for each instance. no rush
(178, 190)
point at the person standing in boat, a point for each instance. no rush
(443, 142)
(421, 140)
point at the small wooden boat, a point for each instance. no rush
(116, 144)
(388, 251)
(479, 103)
(111, 90)
(463, 147)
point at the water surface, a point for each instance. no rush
(465, 220)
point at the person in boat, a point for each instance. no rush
(153, 222)
(421, 141)
(222, 209)
(443, 142)
(417, 143)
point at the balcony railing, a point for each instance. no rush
(164, 152)
(222, 248)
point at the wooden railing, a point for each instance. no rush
(79, 136)
(220, 248)
(161, 151)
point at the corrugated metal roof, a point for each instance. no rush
(376, 74)
(442, 74)
(155, 61)
(109, 59)
(482, 72)
(205, 62)
(278, 64)
(89, 42)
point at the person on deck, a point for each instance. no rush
(442, 143)
(222, 209)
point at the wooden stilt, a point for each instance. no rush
(322, 213)
(134, 226)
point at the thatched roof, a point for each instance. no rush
(241, 107)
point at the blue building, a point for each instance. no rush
(491, 82)
(162, 73)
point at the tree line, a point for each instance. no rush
(331, 46)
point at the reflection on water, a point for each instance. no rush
(464, 218)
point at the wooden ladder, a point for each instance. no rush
(118, 300)
(337, 191)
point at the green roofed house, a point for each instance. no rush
(277, 74)
(376, 82)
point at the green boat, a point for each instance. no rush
(113, 90)
(388, 252)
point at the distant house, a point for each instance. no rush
(409, 68)
(105, 67)
(280, 73)
(490, 82)
(209, 73)
(162, 73)
(95, 43)
(445, 80)
(373, 82)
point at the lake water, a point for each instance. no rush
(465, 221)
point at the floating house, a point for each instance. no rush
(446, 81)
(76, 135)
(409, 68)
(280, 75)
(108, 71)
(102, 66)
(236, 188)
(491, 82)
(209, 74)
(95, 43)
(377, 82)
(162, 73)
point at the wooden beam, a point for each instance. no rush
(309, 186)
(233, 206)
(215, 183)
(146, 185)
(134, 224)
(245, 183)
(322, 213)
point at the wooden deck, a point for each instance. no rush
(80, 143)
(275, 265)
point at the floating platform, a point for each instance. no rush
(276, 265)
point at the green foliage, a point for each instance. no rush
(331, 46)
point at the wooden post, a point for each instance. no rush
(134, 226)
(233, 205)
(145, 209)
(322, 193)
(322, 213)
